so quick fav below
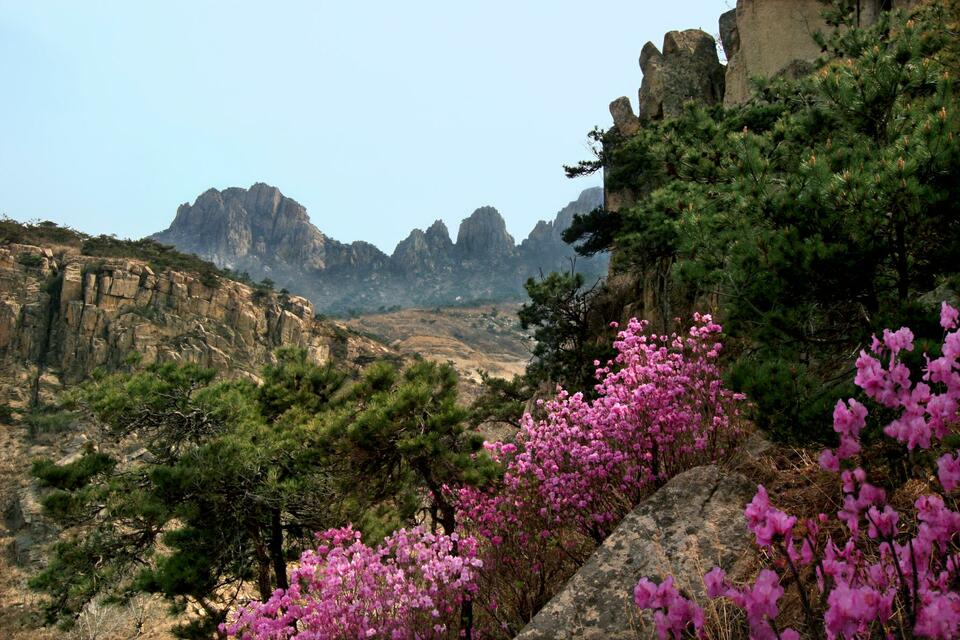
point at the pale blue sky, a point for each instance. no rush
(377, 116)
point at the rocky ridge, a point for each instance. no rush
(268, 235)
(63, 314)
(760, 38)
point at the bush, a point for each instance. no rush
(411, 586)
(896, 574)
(7, 415)
(570, 478)
(30, 260)
(46, 421)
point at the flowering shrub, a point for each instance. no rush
(411, 586)
(570, 478)
(895, 574)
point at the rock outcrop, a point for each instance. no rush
(691, 524)
(687, 69)
(63, 314)
(267, 235)
(760, 38)
(246, 228)
(767, 38)
(484, 235)
(545, 244)
(773, 35)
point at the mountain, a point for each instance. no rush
(265, 234)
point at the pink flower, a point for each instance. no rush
(715, 581)
(948, 471)
(900, 340)
(948, 316)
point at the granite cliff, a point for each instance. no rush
(64, 314)
(268, 235)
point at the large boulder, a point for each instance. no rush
(691, 524)
(687, 69)
(729, 35)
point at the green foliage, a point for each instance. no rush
(559, 310)
(36, 233)
(238, 476)
(30, 260)
(823, 210)
(48, 420)
(402, 433)
(501, 400)
(7, 413)
(73, 475)
(295, 384)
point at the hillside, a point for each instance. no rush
(487, 338)
(266, 234)
(71, 305)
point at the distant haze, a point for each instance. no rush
(377, 117)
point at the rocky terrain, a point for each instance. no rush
(692, 522)
(268, 235)
(63, 314)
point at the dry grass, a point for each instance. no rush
(471, 338)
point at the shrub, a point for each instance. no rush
(7, 413)
(660, 408)
(40, 421)
(892, 573)
(30, 260)
(411, 586)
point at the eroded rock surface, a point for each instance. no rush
(691, 524)
(767, 38)
(63, 314)
(687, 69)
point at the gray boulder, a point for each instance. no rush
(691, 524)
(623, 117)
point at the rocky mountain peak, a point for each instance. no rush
(484, 233)
(547, 237)
(246, 228)
(438, 237)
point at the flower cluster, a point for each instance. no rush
(673, 614)
(569, 478)
(895, 574)
(411, 586)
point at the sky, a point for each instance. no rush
(378, 117)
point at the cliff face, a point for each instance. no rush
(63, 314)
(760, 38)
(268, 235)
(766, 38)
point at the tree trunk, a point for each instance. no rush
(264, 585)
(448, 520)
(276, 549)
